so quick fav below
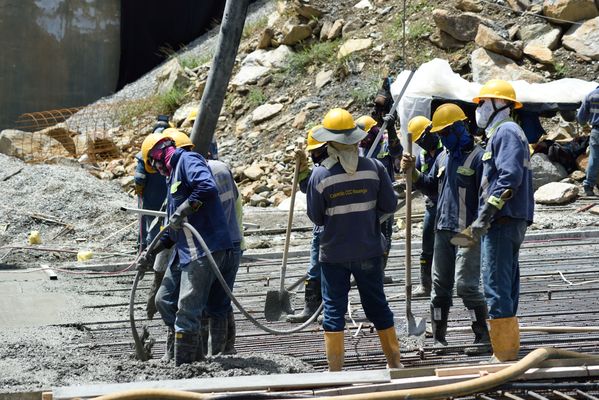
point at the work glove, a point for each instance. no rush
(151, 303)
(183, 211)
(407, 161)
(145, 261)
(139, 189)
(303, 165)
(389, 119)
(481, 225)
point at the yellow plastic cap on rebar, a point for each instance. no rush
(35, 237)
(84, 255)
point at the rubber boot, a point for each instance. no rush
(218, 336)
(151, 302)
(439, 316)
(505, 338)
(390, 346)
(169, 352)
(204, 335)
(231, 332)
(186, 347)
(424, 290)
(334, 345)
(481, 333)
(313, 298)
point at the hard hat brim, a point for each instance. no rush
(344, 136)
(517, 104)
(314, 146)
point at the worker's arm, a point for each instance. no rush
(510, 157)
(314, 199)
(239, 215)
(582, 116)
(387, 198)
(139, 177)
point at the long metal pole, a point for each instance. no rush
(231, 29)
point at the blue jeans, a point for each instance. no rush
(314, 269)
(185, 293)
(428, 233)
(501, 271)
(219, 304)
(455, 264)
(335, 288)
(593, 167)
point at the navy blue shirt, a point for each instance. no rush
(589, 110)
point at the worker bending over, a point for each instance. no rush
(346, 194)
(457, 174)
(506, 209)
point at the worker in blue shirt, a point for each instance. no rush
(589, 113)
(506, 208)
(430, 143)
(346, 195)
(456, 174)
(192, 198)
(312, 291)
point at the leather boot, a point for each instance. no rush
(186, 347)
(313, 298)
(231, 332)
(424, 290)
(204, 334)
(505, 338)
(439, 316)
(218, 336)
(335, 349)
(481, 333)
(390, 346)
(169, 352)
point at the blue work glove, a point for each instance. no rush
(183, 211)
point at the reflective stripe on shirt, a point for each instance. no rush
(345, 177)
(462, 190)
(351, 208)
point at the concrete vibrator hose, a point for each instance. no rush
(142, 354)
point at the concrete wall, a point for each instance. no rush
(56, 54)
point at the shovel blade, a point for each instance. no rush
(416, 326)
(463, 239)
(277, 303)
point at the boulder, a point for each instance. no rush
(265, 38)
(29, 146)
(570, 10)
(296, 33)
(171, 75)
(577, 175)
(327, 25)
(582, 162)
(352, 46)
(265, 112)
(584, 39)
(538, 53)
(364, 4)
(519, 5)
(487, 65)
(445, 41)
(544, 171)
(462, 26)
(253, 172)
(64, 136)
(180, 116)
(323, 78)
(300, 203)
(487, 38)
(336, 29)
(352, 25)
(259, 63)
(306, 10)
(469, 5)
(541, 35)
(299, 121)
(556, 193)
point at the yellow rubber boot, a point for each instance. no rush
(334, 345)
(390, 347)
(505, 338)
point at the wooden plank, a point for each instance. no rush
(47, 396)
(232, 384)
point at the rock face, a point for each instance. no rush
(570, 10)
(461, 26)
(353, 45)
(541, 35)
(445, 41)
(539, 53)
(28, 145)
(265, 111)
(323, 78)
(556, 193)
(584, 39)
(259, 63)
(487, 65)
(296, 33)
(253, 172)
(171, 75)
(487, 38)
(545, 171)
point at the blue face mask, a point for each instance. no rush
(456, 138)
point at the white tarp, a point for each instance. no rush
(436, 78)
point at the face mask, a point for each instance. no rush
(318, 155)
(428, 142)
(456, 139)
(483, 113)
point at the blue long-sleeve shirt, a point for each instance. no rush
(589, 110)
(191, 179)
(154, 185)
(507, 166)
(349, 207)
(228, 194)
(424, 163)
(457, 181)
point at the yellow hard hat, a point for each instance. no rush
(312, 143)
(498, 89)
(338, 126)
(366, 122)
(445, 115)
(180, 138)
(192, 115)
(417, 126)
(147, 145)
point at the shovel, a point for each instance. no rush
(278, 301)
(416, 326)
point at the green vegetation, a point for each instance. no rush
(167, 103)
(253, 27)
(256, 97)
(364, 92)
(417, 30)
(193, 61)
(316, 54)
(562, 70)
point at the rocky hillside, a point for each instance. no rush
(301, 58)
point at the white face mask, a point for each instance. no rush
(483, 113)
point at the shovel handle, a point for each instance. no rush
(290, 221)
(408, 260)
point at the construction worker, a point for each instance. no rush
(506, 209)
(589, 113)
(192, 198)
(430, 143)
(346, 194)
(312, 293)
(457, 174)
(386, 153)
